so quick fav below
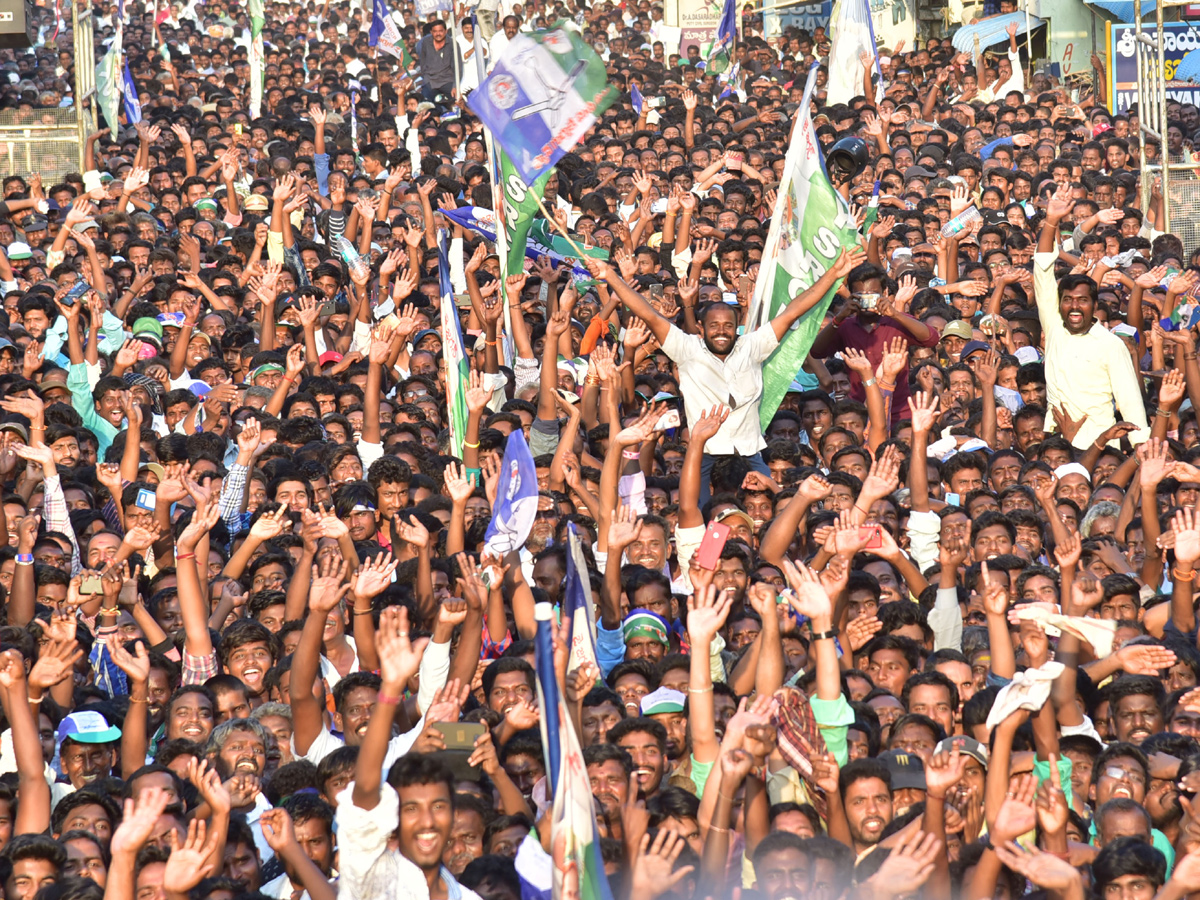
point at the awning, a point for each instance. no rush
(1121, 10)
(991, 31)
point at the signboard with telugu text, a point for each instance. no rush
(1180, 40)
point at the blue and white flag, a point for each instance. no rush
(577, 605)
(516, 499)
(133, 106)
(543, 95)
(573, 837)
(637, 98)
(535, 868)
(852, 33)
(483, 222)
(720, 56)
(379, 17)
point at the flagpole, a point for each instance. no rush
(543, 657)
(554, 222)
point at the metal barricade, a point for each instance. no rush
(46, 141)
(1152, 108)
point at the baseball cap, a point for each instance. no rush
(88, 727)
(329, 356)
(966, 745)
(263, 369)
(972, 347)
(959, 328)
(906, 769)
(16, 428)
(664, 700)
(19, 250)
(643, 623)
(734, 513)
(148, 327)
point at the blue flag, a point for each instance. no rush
(577, 605)
(379, 13)
(483, 221)
(516, 498)
(637, 98)
(133, 106)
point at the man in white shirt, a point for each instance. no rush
(719, 368)
(1067, 309)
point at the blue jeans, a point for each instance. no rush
(706, 467)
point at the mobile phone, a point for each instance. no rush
(873, 536)
(237, 127)
(743, 282)
(90, 585)
(76, 293)
(145, 500)
(659, 206)
(733, 161)
(669, 419)
(953, 499)
(656, 292)
(708, 554)
(460, 740)
(328, 308)
(729, 297)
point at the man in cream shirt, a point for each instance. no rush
(1088, 368)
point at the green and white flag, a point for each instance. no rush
(454, 352)
(109, 83)
(810, 225)
(516, 210)
(257, 19)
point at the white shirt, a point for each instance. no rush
(1085, 373)
(367, 868)
(735, 381)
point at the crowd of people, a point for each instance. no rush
(928, 629)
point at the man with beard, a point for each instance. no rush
(865, 786)
(1136, 706)
(238, 750)
(719, 367)
(665, 706)
(872, 319)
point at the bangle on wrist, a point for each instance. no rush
(1183, 576)
(631, 454)
(474, 446)
(868, 382)
(1165, 413)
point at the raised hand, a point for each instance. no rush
(1016, 814)
(398, 661)
(192, 860)
(707, 612)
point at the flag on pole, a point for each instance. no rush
(810, 225)
(540, 240)
(454, 352)
(391, 42)
(257, 20)
(572, 817)
(872, 215)
(108, 83)
(535, 868)
(636, 97)
(851, 34)
(379, 17)
(133, 106)
(720, 55)
(519, 210)
(542, 96)
(516, 499)
(577, 604)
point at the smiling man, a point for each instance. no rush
(1067, 310)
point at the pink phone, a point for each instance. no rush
(709, 553)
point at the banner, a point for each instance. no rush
(810, 225)
(1181, 63)
(542, 97)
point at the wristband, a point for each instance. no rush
(388, 699)
(631, 454)
(37, 701)
(825, 635)
(1183, 576)
(474, 446)
(24, 559)
(183, 556)
(868, 382)
(112, 611)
